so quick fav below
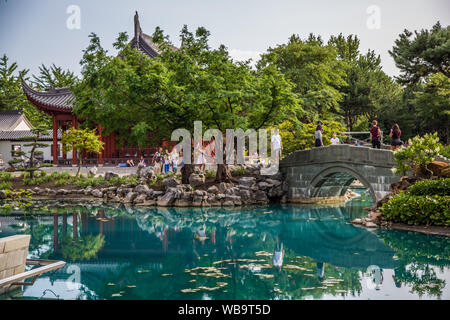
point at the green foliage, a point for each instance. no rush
(210, 173)
(5, 176)
(5, 185)
(445, 151)
(53, 77)
(420, 152)
(81, 140)
(418, 210)
(439, 187)
(238, 171)
(425, 54)
(83, 248)
(300, 136)
(315, 72)
(15, 199)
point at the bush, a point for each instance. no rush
(418, 210)
(420, 152)
(61, 182)
(5, 185)
(5, 176)
(445, 151)
(239, 171)
(439, 187)
(210, 173)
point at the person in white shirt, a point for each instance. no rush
(334, 140)
(277, 146)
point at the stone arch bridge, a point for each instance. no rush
(329, 171)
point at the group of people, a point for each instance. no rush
(375, 136)
(165, 162)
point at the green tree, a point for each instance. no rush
(368, 88)
(433, 105)
(420, 54)
(146, 99)
(80, 140)
(28, 159)
(315, 72)
(53, 77)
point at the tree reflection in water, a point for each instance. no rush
(270, 252)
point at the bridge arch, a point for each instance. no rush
(343, 175)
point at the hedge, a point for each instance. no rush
(439, 187)
(418, 210)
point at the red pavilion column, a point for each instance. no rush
(100, 154)
(74, 153)
(55, 140)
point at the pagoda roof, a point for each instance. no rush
(57, 99)
(61, 99)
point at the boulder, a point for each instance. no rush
(437, 166)
(261, 197)
(264, 185)
(445, 173)
(196, 179)
(146, 174)
(166, 200)
(93, 171)
(246, 181)
(140, 198)
(97, 193)
(109, 175)
(129, 198)
(273, 182)
(170, 182)
(213, 189)
(142, 189)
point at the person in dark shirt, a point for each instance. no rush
(395, 135)
(375, 135)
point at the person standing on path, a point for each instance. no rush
(334, 140)
(277, 145)
(318, 136)
(395, 135)
(375, 135)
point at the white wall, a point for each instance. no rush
(6, 147)
(22, 126)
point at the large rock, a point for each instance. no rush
(213, 189)
(97, 193)
(142, 188)
(109, 175)
(445, 173)
(146, 174)
(246, 181)
(170, 182)
(261, 197)
(196, 179)
(93, 171)
(140, 198)
(167, 199)
(437, 166)
(273, 182)
(129, 198)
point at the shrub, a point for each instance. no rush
(210, 173)
(439, 187)
(5, 185)
(445, 151)
(5, 176)
(239, 171)
(418, 210)
(420, 152)
(61, 182)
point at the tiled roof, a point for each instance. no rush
(60, 98)
(16, 135)
(9, 119)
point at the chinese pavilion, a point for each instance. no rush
(58, 103)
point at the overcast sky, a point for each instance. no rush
(36, 31)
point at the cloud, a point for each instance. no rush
(242, 55)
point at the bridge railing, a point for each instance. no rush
(340, 153)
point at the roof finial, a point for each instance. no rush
(137, 28)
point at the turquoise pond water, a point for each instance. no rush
(264, 252)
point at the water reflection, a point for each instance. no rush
(273, 252)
